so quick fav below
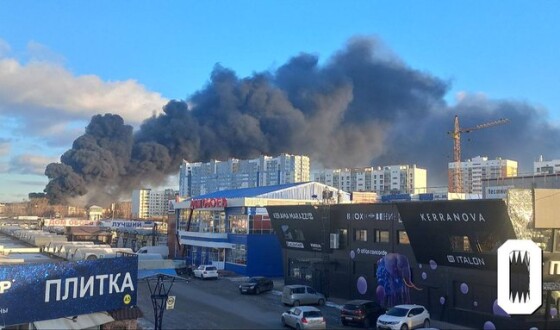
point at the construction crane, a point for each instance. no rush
(455, 179)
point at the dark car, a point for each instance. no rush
(256, 285)
(363, 312)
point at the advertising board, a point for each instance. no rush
(299, 227)
(45, 291)
(461, 233)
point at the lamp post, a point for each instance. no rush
(160, 295)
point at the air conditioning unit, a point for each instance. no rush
(334, 241)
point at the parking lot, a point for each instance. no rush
(217, 304)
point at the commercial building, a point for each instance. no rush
(441, 254)
(231, 228)
(474, 170)
(197, 179)
(399, 179)
(151, 204)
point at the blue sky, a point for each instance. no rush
(61, 62)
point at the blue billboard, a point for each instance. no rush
(36, 292)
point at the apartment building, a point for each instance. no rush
(402, 179)
(197, 179)
(543, 167)
(150, 204)
(474, 170)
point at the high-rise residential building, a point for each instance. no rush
(150, 204)
(474, 170)
(541, 166)
(402, 179)
(202, 178)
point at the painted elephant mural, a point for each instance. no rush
(394, 280)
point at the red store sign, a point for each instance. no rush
(208, 203)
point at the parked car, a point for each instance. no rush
(256, 285)
(404, 317)
(296, 295)
(304, 317)
(206, 271)
(363, 312)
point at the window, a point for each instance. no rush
(403, 237)
(360, 235)
(460, 244)
(238, 224)
(237, 255)
(381, 236)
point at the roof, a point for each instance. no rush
(77, 322)
(126, 313)
(408, 306)
(357, 302)
(299, 190)
(248, 192)
(307, 308)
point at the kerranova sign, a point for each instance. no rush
(458, 233)
(38, 292)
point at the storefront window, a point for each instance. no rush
(238, 224)
(208, 221)
(460, 244)
(403, 237)
(259, 224)
(360, 235)
(237, 255)
(300, 270)
(381, 236)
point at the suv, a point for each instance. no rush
(404, 317)
(296, 295)
(363, 312)
(206, 271)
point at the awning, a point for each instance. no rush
(212, 244)
(77, 322)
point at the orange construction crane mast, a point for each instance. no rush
(455, 179)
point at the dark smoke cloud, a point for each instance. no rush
(362, 107)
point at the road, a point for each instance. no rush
(217, 304)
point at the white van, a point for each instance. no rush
(160, 249)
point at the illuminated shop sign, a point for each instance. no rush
(36, 292)
(465, 233)
(208, 203)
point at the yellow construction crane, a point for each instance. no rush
(455, 179)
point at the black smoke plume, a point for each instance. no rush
(362, 107)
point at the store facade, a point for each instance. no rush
(231, 229)
(440, 254)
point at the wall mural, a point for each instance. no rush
(394, 280)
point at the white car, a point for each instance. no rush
(404, 317)
(206, 271)
(304, 317)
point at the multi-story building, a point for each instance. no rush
(149, 204)
(474, 170)
(542, 167)
(402, 179)
(203, 178)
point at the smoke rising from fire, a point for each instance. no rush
(362, 107)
